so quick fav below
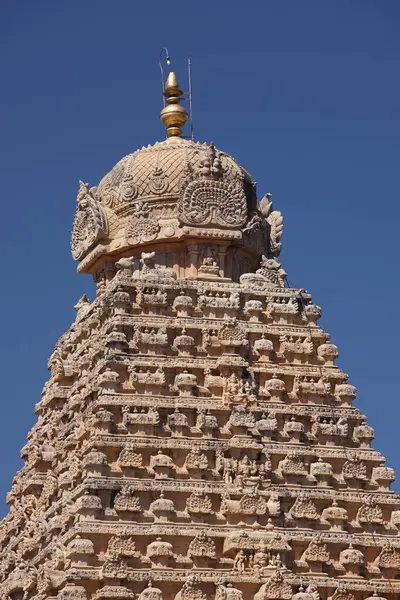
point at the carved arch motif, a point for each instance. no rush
(205, 201)
(90, 223)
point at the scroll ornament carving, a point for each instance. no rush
(205, 202)
(119, 189)
(304, 508)
(389, 557)
(232, 333)
(150, 593)
(191, 590)
(126, 500)
(276, 588)
(196, 460)
(240, 417)
(121, 545)
(226, 591)
(342, 593)
(115, 567)
(354, 468)
(129, 458)
(202, 545)
(292, 465)
(212, 199)
(90, 223)
(370, 511)
(79, 546)
(199, 503)
(142, 225)
(316, 552)
(249, 504)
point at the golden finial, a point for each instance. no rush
(173, 115)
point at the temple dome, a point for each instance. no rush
(170, 191)
(159, 171)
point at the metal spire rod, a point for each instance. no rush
(190, 97)
(164, 50)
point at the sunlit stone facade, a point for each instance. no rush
(195, 439)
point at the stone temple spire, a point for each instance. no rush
(196, 439)
(173, 116)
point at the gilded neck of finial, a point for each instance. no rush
(173, 116)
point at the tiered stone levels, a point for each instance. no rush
(197, 440)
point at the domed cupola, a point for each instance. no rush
(186, 201)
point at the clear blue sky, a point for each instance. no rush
(305, 94)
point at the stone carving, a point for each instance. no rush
(142, 225)
(115, 567)
(316, 552)
(196, 460)
(370, 511)
(162, 465)
(232, 334)
(226, 591)
(121, 545)
(199, 503)
(272, 271)
(276, 588)
(389, 557)
(310, 593)
(158, 181)
(126, 501)
(249, 504)
(202, 546)
(304, 508)
(151, 593)
(274, 220)
(352, 560)
(354, 468)
(159, 552)
(335, 515)
(206, 202)
(90, 222)
(342, 593)
(191, 590)
(195, 428)
(211, 200)
(129, 458)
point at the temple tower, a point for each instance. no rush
(195, 439)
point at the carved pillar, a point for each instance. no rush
(193, 251)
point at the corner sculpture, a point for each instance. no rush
(195, 440)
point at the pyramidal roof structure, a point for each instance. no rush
(195, 439)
